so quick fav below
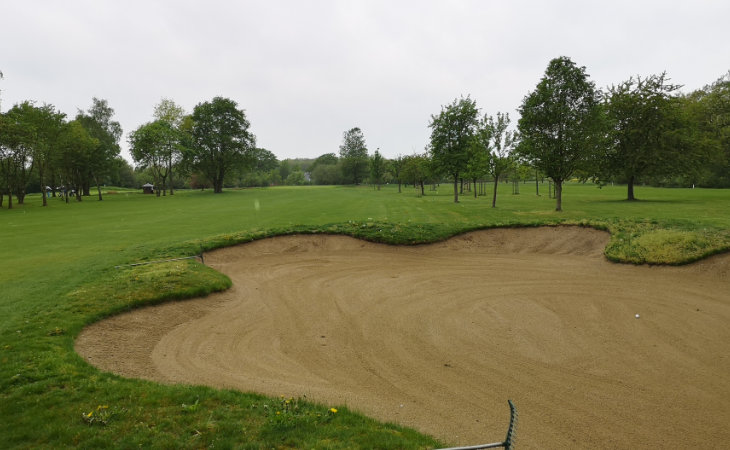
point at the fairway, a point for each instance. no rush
(58, 276)
(439, 336)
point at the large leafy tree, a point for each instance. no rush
(74, 145)
(221, 140)
(98, 121)
(560, 123)
(646, 119)
(47, 123)
(18, 139)
(354, 155)
(151, 146)
(452, 131)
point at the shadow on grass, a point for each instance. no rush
(640, 201)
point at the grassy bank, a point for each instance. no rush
(57, 275)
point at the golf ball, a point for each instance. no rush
(637, 316)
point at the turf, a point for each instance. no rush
(58, 274)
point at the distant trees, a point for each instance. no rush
(354, 155)
(709, 113)
(560, 125)
(417, 170)
(220, 139)
(396, 168)
(452, 131)
(326, 169)
(639, 131)
(377, 168)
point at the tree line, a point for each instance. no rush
(643, 130)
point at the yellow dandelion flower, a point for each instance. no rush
(333, 410)
(89, 415)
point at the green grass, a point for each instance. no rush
(57, 275)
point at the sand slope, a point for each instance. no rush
(438, 337)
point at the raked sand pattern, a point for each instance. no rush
(438, 337)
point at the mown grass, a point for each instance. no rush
(58, 274)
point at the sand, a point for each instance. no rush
(438, 337)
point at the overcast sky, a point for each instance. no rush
(306, 71)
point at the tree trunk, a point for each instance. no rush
(475, 188)
(559, 195)
(461, 186)
(456, 188)
(44, 192)
(86, 189)
(494, 194)
(630, 196)
(422, 191)
(98, 188)
(537, 185)
(169, 170)
(399, 186)
(10, 199)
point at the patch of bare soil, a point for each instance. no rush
(438, 337)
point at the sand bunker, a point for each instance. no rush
(438, 337)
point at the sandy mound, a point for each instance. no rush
(438, 337)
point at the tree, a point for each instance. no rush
(377, 168)
(329, 159)
(73, 147)
(498, 142)
(169, 112)
(150, 145)
(643, 114)
(560, 123)
(47, 124)
(396, 167)
(18, 138)
(221, 140)
(100, 126)
(417, 170)
(122, 173)
(354, 155)
(451, 135)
